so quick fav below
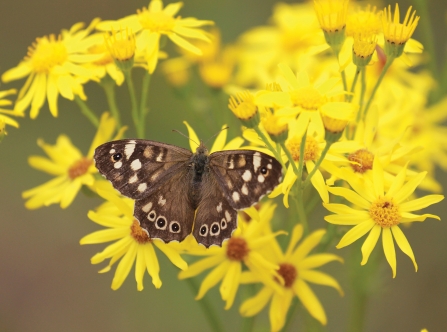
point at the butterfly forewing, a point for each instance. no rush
(245, 175)
(137, 167)
(167, 213)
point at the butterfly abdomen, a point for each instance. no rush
(199, 166)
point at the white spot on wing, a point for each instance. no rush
(128, 150)
(227, 216)
(161, 200)
(136, 164)
(147, 207)
(118, 164)
(236, 196)
(133, 178)
(244, 189)
(142, 187)
(261, 178)
(112, 151)
(219, 207)
(246, 176)
(231, 163)
(269, 166)
(256, 161)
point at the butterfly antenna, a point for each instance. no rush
(179, 132)
(226, 128)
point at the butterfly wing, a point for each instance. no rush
(215, 219)
(244, 176)
(136, 168)
(167, 213)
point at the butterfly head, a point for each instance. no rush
(201, 149)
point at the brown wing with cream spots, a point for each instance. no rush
(244, 176)
(136, 168)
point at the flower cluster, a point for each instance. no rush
(318, 89)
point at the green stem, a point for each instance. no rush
(144, 109)
(87, 111)
(354, 82)
(362, 94)
(388, 63)
(345, 83)
(301, 161)
(134, 103)
(109, 89)
(207, 308)
(317, 164)
(301, 211)
(291, 161)
(269, 146)
(248, 323)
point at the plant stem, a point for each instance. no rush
(291, 161)
(387, 65)
(317, 164)
(354, 82)
(144, 109)
(109, 89)
(87, 111)
(207, 308)
(134, 103)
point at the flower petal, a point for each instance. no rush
(309, 300)
(370, 243)
(420, 203)
(153, 268)
(388, 248)
(255, 304)
(403, 244)
(230, 283)
(212, 279)
(200, 266)
(355, 233)
(308, 244)
(124, 266)
(320, 278)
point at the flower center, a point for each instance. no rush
(46, 53)
(308, 98)
(138, 233)
(311, 151)
(289, 273)
(385, 212)
(237, 249)
(79, 168)
(156, 22)
(363, 160)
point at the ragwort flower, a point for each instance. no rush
(296, 269)
(379, 212)
(71, 168)
(132, 243)
(150, 24)
(242, 249)
(55, 65)
(4, 118)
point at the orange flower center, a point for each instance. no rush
(237, 249)
(289, 273)
(156, 21)
(385, 212)
(363, 160)
(139, 234)
(46, 53)
(308, 98)
(311, 151)
(79, 168)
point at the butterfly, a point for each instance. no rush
(177, 192)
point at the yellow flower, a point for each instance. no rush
(379, 212)
(331, 14)
(242, 249)
(4, 118)
(132, 243)
(300, 97)
(150, 24)
(55, 65)
(296, 268)
(71, 168)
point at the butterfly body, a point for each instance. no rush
(177, 192)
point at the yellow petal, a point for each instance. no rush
(105, 235)
(171, 253)
(255, 304)
(140, 267)
(183, 43)
(308, 244)
(420, 203)
(408, 188)
(46, 165)
(348, 219)
(152, 266)
(351, 196)
(278, 309)
(370, 243)
(230, 283)
(378, 177)
(124, 266)
(309, 300)
(108, 220)
(320, 278)
(219, 143)
(355, 233)
(388, 248)
(200, 266)
(403, 244)
(317, 260)
(113, 249)
(193, 139)
(212, 279)
(318, 182)
(70, 193)
(297, 233)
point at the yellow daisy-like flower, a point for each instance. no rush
(132, 243)
(300, 97)
(242, 249)
(4, 118)
(55, 65)
(379, 212)
(71, 168)
(296, 268)
(150, 24)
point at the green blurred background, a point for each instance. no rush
(46, 280)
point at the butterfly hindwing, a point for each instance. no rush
(215, 219)
(167, 213)
(137, 167)
(245, 175)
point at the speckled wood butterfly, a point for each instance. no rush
(172, 186)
